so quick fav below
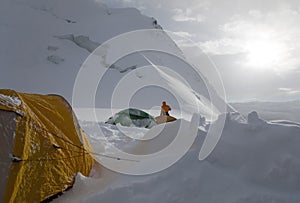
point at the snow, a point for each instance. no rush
(285, 122)
(191, 101)
(10, 101)
(45, 42)
(81, 40)
(254, 119)
(30, 32)
(49, 40)
(55, 59)
(252, 162)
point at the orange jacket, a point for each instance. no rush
(166, 107)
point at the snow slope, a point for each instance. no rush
(32, 37)
(45, 42)
(254, 161)
(37, 53)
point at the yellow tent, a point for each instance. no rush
(42, 147)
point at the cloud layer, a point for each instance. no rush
(255, 42)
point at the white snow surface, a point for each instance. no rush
(253, 162)
(29, 27)
(45, 42)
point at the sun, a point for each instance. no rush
(264, 53)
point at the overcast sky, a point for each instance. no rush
(255, 44)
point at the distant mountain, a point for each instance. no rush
(289, 110)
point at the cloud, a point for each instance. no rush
(184, 43)
(267, 39)
(183, 39)
(289, 90)
(224, 46)
(237, 35)
(255, 13)
(167, 4)
(185, 15)
(184, 34)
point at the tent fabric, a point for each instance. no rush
(7, 127)
(164, 119)
(48, 149)
(132, 117)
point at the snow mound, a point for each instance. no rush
(285, 122)
(248, 165)
(254, 119)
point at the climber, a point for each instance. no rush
(165, 109)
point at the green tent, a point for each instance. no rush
(132, 117)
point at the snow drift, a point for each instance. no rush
(253, 162)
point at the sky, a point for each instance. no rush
(254, 44)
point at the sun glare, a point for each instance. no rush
(263, 54)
